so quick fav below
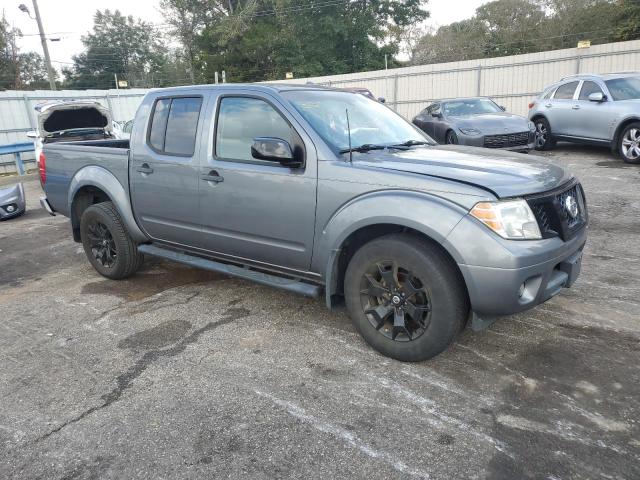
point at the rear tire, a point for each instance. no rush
(629, 143)
(107, 244)
(405, 297)
(544, 139)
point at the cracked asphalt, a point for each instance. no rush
(181, 373)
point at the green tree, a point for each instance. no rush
(9, 73)
(263, 39)
(627, 20)
(119, 45)
(32, 71)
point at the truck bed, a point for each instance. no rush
(64, 159)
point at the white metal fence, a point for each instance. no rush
(511, 81)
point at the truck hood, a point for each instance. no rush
(505, 174)
(73, 115)
(493, 123)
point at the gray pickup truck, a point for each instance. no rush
(318, 190)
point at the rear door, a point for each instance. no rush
(561, 111)
(257, 210)
(164, 170)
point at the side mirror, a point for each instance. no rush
(597, 97)
(436, 114)
(32, 134)
(274, 150)
(382, 99)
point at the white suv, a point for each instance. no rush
(594, 109)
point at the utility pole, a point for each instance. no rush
(43, 40)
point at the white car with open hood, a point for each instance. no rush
(71, 120)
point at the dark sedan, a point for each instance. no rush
(479, 122)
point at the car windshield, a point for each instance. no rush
(471, 106)
(624, 88)
(371, 123)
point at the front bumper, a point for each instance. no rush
(504, 291)
(12, 202)
(479, 141)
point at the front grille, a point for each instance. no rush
(562, 212)
(520, 139)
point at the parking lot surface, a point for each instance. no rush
(182, 373)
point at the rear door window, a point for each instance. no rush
(566, 91)
(588, 88)
(174, 124)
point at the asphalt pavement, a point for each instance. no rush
(182, 373)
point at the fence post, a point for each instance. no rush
(27, 106)
(395, 92)
(19, 164)
(110, 105)
(479, 84)
(578, 62)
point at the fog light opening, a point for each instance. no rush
(10, 209)
(521, 290)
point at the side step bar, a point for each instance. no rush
(296, 286)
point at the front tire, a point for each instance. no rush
(405, 297)
(544, 139)
(106, 242)
(451, 138)
(629, 143)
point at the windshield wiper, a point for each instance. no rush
(364, 148)
(410, 143)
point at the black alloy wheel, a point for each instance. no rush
(101, 243)
(395, 301)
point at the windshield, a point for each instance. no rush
(471, 106)
(624, 88)
(370, 122)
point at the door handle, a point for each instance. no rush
(145, 168)
(576, 107)
(548, 105)
(212, 176)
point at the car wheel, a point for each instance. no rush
(106, 242)
(405, 297)
(543, 139)
(451, 138)
(629, 143)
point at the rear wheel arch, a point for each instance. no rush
(624, 124)
(104, 186)
(83, 198)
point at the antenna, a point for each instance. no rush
(349, 135)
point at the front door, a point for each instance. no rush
(255, 209)
(163, 171)
(594, 119)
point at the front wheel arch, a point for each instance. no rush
(356, 240)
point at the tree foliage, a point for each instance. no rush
(19, 71)
(511, 27)
(119, 45)
(263, 39)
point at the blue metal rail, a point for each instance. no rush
(17, 149)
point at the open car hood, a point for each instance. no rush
(72, 115)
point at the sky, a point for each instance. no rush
(68, 20)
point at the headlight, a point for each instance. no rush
(511, 219)
(471, 131)
(532, 126)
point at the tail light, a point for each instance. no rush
(531, 105)
(42, 168)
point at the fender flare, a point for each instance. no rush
(431, 215)
(99, 177)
